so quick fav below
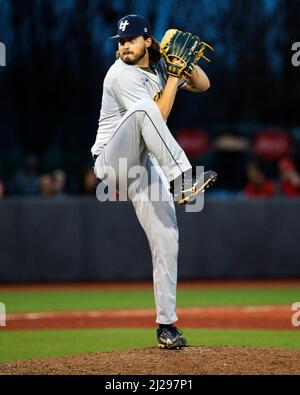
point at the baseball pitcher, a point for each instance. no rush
(138, 95)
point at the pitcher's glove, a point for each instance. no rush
(182, 51)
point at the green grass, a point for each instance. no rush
(35, 301)
(21, 345)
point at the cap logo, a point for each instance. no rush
(123, 25)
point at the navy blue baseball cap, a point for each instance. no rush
(133, 25)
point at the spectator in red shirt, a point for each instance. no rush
(2, 188)
(258, 185)
(289, 177)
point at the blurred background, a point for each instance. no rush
(246, 127)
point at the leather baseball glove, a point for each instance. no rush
(182, 51)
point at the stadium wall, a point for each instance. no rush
(80, 239)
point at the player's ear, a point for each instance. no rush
(148, 42)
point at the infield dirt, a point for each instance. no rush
(188, 361)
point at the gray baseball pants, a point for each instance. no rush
(144, 140)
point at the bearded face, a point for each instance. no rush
(132, 49)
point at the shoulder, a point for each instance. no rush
(126, 77)
(119, 74)
(120, 70)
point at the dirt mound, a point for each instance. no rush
(152, 361)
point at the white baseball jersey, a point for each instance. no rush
(123, 86)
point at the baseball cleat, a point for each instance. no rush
(170, 338)
(187, 195)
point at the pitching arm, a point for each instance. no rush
(166, 101)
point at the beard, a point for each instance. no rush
(134, 59)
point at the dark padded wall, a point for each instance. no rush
(78, 239)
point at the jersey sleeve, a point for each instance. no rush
(128, 88)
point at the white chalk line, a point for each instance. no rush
(194, 311)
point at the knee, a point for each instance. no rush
(147, 105)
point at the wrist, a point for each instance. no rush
(174, 80)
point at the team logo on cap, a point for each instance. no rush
(123, 25)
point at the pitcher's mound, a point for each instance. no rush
(152, 361)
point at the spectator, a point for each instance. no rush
(2, 188)
(289, 177)
(25, 181)
(89, 182)
(46, 185)
(59, 182)
(258, 185)
(53, 184)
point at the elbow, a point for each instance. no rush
(201, 87)
(208, 85)
(163, 113)
(205, 85)
(164, 116)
